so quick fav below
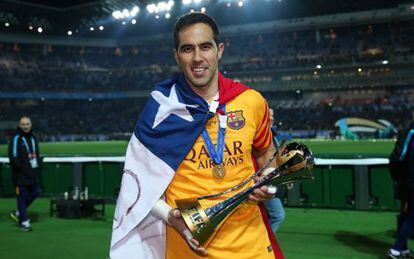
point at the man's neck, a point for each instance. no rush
(209, 91)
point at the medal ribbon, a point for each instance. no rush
(216, 155)
(27, 145)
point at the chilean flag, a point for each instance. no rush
(167, 128)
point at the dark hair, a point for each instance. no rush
(193, 18)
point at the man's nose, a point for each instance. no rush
(197, 55)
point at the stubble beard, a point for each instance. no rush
(214, 72)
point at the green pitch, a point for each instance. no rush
(305, 233)
(79, 148)
(321, 148)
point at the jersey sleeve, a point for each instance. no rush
(263, 136)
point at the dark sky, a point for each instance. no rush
(59, 3)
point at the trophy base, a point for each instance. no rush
(196, 219)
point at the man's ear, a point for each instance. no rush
(220, 50)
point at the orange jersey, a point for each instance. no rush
(243, 234)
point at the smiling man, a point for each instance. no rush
(200, 133)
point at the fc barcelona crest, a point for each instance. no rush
(235, 120)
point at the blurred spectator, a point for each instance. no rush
(405, 189)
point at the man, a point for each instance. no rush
(25, 167)
(275, 206)
(197, 135)
(404, 178)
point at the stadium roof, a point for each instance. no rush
(87, 18)
(61, 4)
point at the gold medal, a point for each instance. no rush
(219, 171)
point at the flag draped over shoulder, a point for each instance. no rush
(167, 128)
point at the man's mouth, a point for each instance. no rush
(198, 71)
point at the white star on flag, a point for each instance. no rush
(170, 105)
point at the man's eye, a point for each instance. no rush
(186, 49)
(206, 47)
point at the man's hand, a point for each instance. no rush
(263, 194)
(176, 220)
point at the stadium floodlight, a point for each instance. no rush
(91, 29)
(150, 8)
(134, 21)
(241, 3)
(203, 9)
(101, 28)
(160, 7)
(134, 11)
(167, 16)
(125, 12)
(170, 4)
(69, 33)
(117, 14)
(40, 30)
(7, 24)
(189, 2)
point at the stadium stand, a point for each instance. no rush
(80, 73)
(56, 68)
(311, 77)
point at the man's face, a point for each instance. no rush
(198, 54)
(25, 125)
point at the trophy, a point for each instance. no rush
(295, 162)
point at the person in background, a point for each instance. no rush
(25, 167)
(403, 174)
(274, 206)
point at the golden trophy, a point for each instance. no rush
(295, 162)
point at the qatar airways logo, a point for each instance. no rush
(233, 155)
